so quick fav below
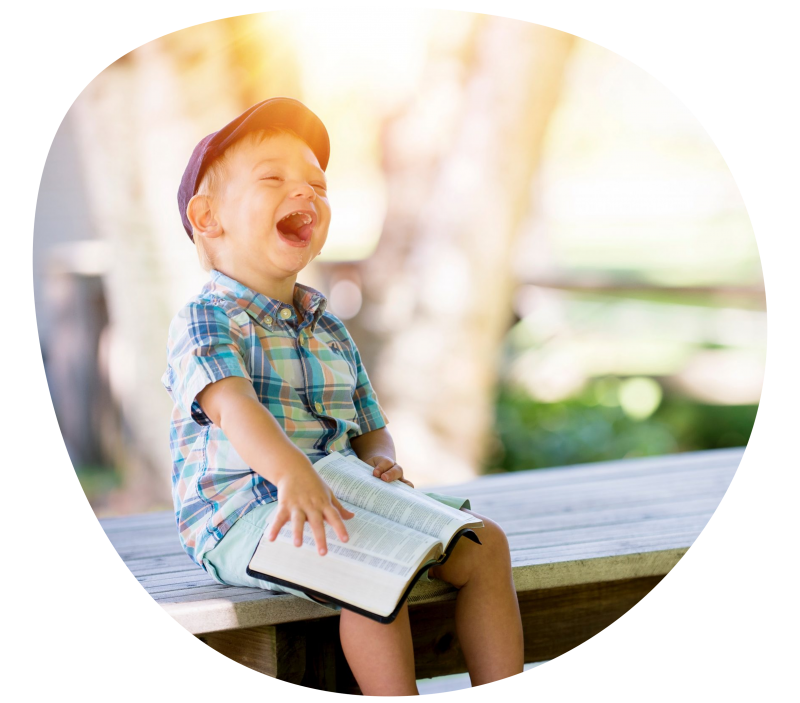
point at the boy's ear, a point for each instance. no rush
(201, 214)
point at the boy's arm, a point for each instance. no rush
(377, 449)
(232, 404)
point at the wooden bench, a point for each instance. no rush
(588, 542)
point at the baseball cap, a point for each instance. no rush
(286, 112)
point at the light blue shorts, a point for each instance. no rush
(227, 561)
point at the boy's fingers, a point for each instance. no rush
(336, 523)
(406, 481)
(318, 528)
(281, 518)
(298, 520)
(392, 474)
(381, 466)
(344, 512)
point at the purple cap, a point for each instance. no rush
(286, 112)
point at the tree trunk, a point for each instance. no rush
(460, 163)
(138, 122)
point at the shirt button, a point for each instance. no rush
(268, 319)
(318, 407)
(285, 313)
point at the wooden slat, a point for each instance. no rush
(244, 610)
(256, 648)
(529, 526)
(600, 471)
(609, 491)
(624, 493)
(159, 565)
(536, 500)
(154, 576)
(166, 534)
(139, 521)
(568, 526)
(191, 587)
(258, 609)
(192, 574)
(597, 551)
(128, 523)
(581, 473)
(692, 524)
(204, 594)
(167, 548)
(568, 519)
(196, 582)
(303, 653)
(588, 504)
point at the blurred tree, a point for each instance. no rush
(137, 122)
(460, 161)
(74, 363)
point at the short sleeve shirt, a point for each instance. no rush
(306, 372)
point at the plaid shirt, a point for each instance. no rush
(307, 373)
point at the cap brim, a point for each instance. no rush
(285, 112)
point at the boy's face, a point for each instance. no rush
(265, 183)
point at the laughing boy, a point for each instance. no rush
(265, 381)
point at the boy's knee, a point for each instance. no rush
(494, 541)
(491, 534)
(492, 560)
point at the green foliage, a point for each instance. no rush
(97, 481)
(530, 434)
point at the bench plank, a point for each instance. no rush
(670, 464)
(514, 529)
(567, 526)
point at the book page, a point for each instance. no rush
(351, 480)
(374, 541)
(347, 580)
(371, 570)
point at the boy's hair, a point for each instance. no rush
(214, 177)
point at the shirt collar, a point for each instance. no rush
(260, 306)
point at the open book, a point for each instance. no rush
(396, 535)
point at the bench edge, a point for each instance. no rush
(201, 617)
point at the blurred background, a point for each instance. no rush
(540, 253)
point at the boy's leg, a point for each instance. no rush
(488, 622)
(380, 656)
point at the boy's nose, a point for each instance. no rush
(304, 190)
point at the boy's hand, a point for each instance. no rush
(387, 470)
(303, 495)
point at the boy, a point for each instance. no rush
(266, 381)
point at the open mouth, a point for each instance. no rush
(297, 226)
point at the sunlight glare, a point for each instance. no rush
(379, 52)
